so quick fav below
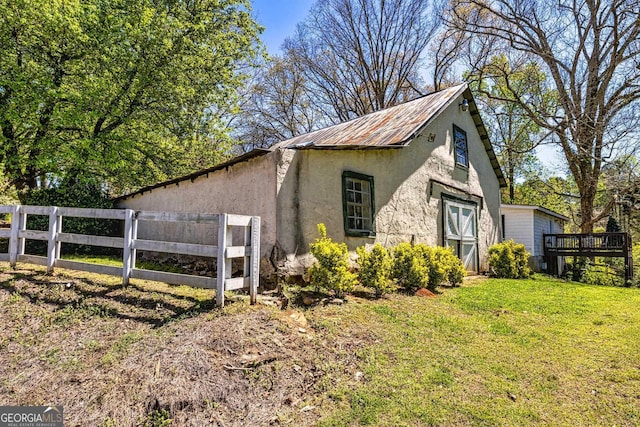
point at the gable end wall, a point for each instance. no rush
(408, 204)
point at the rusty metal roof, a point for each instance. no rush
(392, 127)
(395, 127)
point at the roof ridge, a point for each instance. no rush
(373, 116)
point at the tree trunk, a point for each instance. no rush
(587, 198)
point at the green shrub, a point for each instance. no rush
(574, 269)
(422, 266)
(331, 269)
(602, 275)
(78, 193)
(375, 269)
(509, 260)
(451, 266)
(410, 266)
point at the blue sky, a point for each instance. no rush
(279, 17)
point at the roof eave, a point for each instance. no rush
(535, 208)
(420, 128)
(484, 137)
(347, 147)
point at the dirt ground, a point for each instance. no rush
(147, 353)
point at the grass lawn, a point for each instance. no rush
(496, 352)
(492, 352)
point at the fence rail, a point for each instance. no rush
(224, 251)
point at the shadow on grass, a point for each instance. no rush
(310, 296)
(90, 297)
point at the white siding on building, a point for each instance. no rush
(544, 224)
(527, 225)
(518, 225)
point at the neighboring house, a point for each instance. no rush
(423, 171)
(526, 224)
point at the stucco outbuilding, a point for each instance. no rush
(423, 171)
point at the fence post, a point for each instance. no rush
(16, 244)
(134, 236)
(255, 259)
(13, 238)
(58, 231)
(53, 237)
(221, 272)
(127, 248)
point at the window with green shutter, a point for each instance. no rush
(358, 204)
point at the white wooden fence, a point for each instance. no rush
(130, 244)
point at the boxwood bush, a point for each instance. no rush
(509, 260)
(411, 266)
(451, 266)
(422, 266)
(375, 269)
(331, 269)
(407, 266)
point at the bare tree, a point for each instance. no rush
(591, 53)
(276, 106)
(446, 49)
(360, 56)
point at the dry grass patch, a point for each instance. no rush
(150, 353)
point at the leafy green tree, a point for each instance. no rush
(621, 182)
(559, 194)
(513, 133)
(129, 91)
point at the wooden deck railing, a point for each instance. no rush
(591, 245)
(224, 252)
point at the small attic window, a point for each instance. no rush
(460, 146)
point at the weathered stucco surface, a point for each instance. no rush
(408, 206)
(246, 188)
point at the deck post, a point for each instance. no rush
(628, 259)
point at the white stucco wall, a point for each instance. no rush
(310, 183)
(245, 188)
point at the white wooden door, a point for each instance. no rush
(461, 232)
